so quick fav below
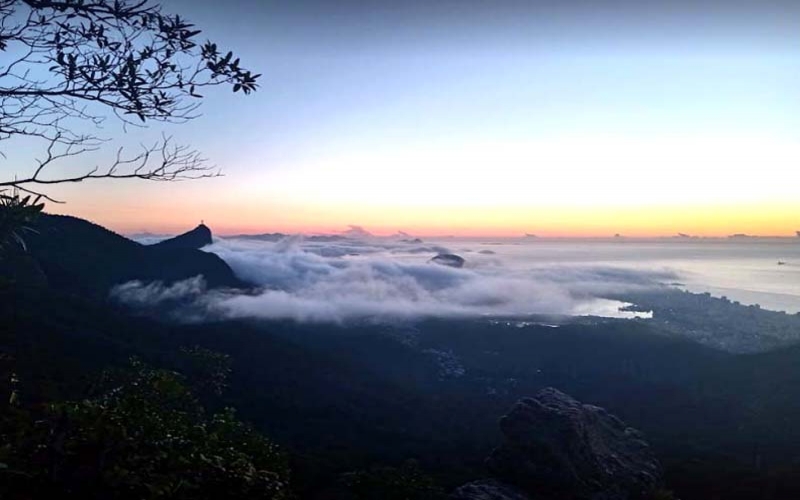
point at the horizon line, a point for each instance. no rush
(524, 236)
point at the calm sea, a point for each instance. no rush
(764, 271)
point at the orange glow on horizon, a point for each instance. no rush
(571, 185)
(650, 221)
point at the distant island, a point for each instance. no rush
(449, 260)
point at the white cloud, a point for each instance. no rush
(140, 294)
(379, 279)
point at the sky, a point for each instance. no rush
(559, 118)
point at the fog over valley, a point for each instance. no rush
(375, 278)
(359, 277)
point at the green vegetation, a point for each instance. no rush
(390, 483)
(143, 436)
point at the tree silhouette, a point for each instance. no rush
(71, 62)
(16, 215)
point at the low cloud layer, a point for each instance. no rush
(372, 278)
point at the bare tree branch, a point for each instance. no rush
(162, 161)
(64, 63)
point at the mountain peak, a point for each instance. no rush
(196, 238)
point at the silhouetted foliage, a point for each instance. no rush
(207, 370)
(390, 483)
(16, 218)
(73, 61)
(143, 436)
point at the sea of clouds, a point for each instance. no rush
(362, 277)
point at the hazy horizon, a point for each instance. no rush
(401, 234)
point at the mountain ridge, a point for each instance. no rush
(83, 257)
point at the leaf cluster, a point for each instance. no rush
(127, 55)
(68, 63)
(390, 483)
(16, 217)
(145, 436)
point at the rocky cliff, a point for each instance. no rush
(558, 448)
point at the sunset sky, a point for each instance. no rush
(581, 118)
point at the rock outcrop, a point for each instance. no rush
(195, 239)
(558, 448)
(449, 259)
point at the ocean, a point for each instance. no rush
(742, 269)
(337, 278)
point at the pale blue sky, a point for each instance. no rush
(351, 88)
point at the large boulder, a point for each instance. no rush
(557, 447)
